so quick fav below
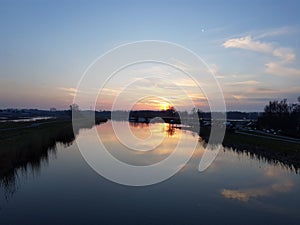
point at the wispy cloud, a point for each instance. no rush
(262, 90)
(247, 82)
(186, 83)
(275, 32)
(248, 43)
(283, 56)
(239, 97)
(109, 91)
(70, 91)
(278, 68)
(286, 54)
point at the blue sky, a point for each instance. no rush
(252, 46)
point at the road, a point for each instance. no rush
(272, 137)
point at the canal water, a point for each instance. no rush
(237, 188)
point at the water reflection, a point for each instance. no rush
(239, 187)
(276, 183)
(27, 152)
(161, 138)
(168, 128)
(251, 193)
(281, 159)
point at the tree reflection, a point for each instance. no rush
(170, 129)
(26, 151)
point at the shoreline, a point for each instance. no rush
(275, 150)
(278, 151)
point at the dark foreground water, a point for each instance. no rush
(236, 189)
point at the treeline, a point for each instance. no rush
(281, 115)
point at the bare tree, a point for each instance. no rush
(74, 107)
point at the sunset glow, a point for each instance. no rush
(164, 105)
(149, 112)
(253, 63)
(152, 103)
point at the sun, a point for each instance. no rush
(164, 105)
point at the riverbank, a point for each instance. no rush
(26, 144)
(268, 148)
(10, 129)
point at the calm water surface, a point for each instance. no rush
(235, 189)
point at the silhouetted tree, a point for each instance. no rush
(171, 111)
(296, 114)
(280, 115)
(74, 107)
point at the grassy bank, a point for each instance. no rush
(31, 142)
(13, 130)
(278, 151)
(10, 130)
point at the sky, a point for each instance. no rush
(251, 47)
